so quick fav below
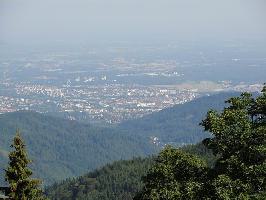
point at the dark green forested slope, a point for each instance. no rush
(178, 124)
(61, 148)
(118, 181)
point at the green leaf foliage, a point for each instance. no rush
(175, 175)
(238, 142)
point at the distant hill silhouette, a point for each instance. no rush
(178, 124)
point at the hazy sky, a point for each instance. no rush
(92, 20)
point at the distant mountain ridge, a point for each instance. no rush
(62, 148)
(178, 124)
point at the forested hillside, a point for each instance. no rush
(118, 181)
(229, 165)
(178, 124)
(238, 141)
(62, 148)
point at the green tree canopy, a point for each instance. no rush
(239, 143)
(175, 175)
(18, 174)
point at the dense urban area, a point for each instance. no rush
(119, 82)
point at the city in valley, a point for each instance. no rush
(121, 82)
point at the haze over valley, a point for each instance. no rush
(132, 99)
(115, 82)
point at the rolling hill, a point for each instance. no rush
(179, 124)
(62, 148)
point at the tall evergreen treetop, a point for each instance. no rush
(18, 174)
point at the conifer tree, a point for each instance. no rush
(18, 174)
